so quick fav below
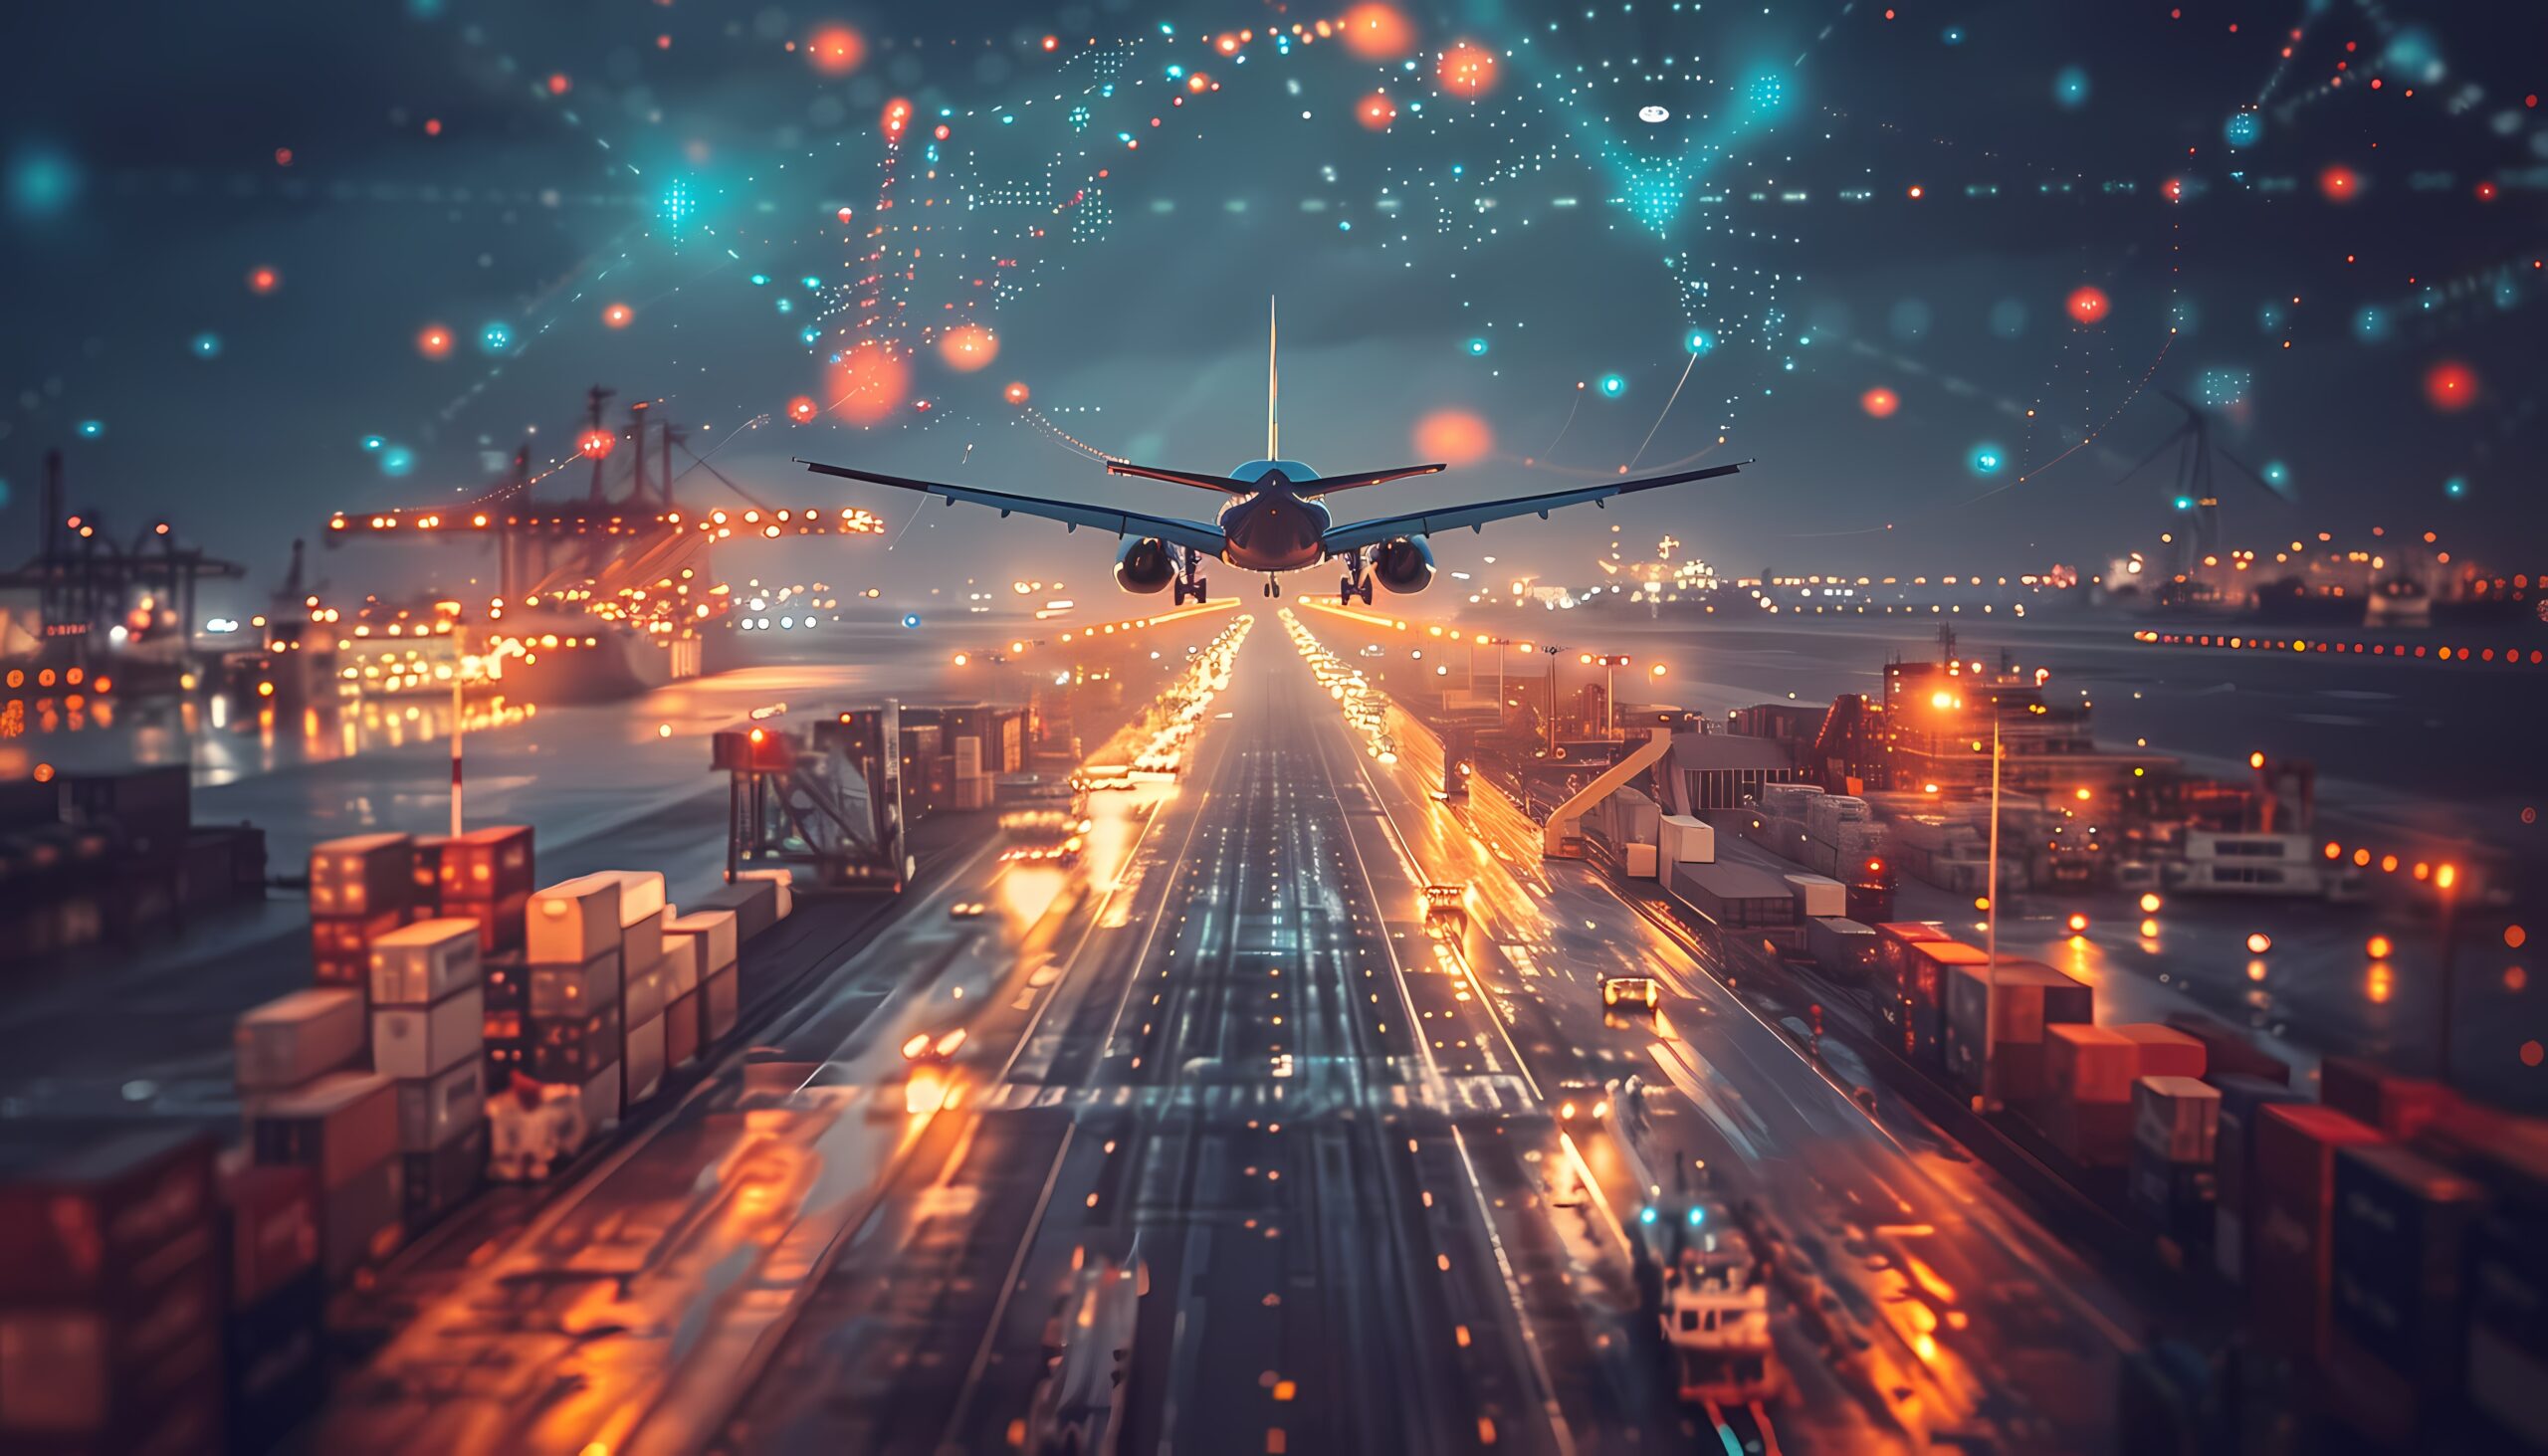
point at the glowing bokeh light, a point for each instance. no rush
(836, 50)
(869, 384)
(1454, 437)
(1881, 402)
(803, 409)
(2451, 385)
(264, 281)
(1016, 392)
(2339, 183)
(1377, 111)
(617, 316)
(1466, 69)
(434, 342)
(968, 346)
(1612, 385)
(205, 345)
(1377, 32)
(2088, 305)
(2243, 129)
(1987, 459)
(2070, 87)
(496, 337)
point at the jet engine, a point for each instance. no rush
(1403, 565)
(1145, 564)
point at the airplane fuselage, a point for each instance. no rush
(1275, 528)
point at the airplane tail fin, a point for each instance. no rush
(1273, 389)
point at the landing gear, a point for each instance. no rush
(1358, 581)
(1273, 588)
(1189, 581)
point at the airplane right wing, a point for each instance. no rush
(1194, 534)
(1356, 533)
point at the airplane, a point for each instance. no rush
(1277, 521)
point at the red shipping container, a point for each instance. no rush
(499, 922)
(352, 935)
(488, 865)
(273, 1226)
(2165, 1051)
(2399, 1105)
(2290, 1218)
(93, 1210)
(2089, 1133)
(2088, 1063)
(365, 875)
(2227, 1051)
(424, 873)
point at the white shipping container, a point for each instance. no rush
(1819, 896)
(573, 990)
(646, 992)
(601, 1102)
(642, 1069)
(720, 995)
(641, 894)
(681, 963)
(291, 1039)
(421, 963)
(717, 936)
(641, 940)
(785, 880)
(1684, 840)
(571, 923)
(2175, 1118)
(435, 1110)
(426, 1041)
(1641, 862)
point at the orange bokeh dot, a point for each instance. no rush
(2451, 385)
(1454, 437)
(836, 50)
(968, 346)
(897, 117)
(559, 83)
(1881, 402)
(1466, 70)
(803, 409)
(617, 316)
(263, 279)
(1015, 393)
(1377, 32)
(869, 384)
(2339, 183)
(1377, 111)
(2088, 305)
(432, 341)
(2532, 1053)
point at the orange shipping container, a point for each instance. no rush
(2165, 1051)
(2088, 1063)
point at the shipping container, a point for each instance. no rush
(1641, 863)
(363, 876)
(2290, 1215)
(641, 940)
(1732, 896)
(2401, 1232)
(1681, 839)
(2228, 1052)
(573, 923)
(424, 873)
(434, 1111)
(1817, 894)
(273, 1219)
(2243, 1099)
(1995, 1024)
(152, 806)
(2368, 1093)
(2088, 1063)
(573, 1048)
(642, 1067)
(507, 981)
(2174, 1198)
(646, 992)
(342, 1126)
(2508, 1328)
(1842, 947)
(719, 1004)
(359, 1219)
(436, 1181)
(2092, 1135)
(409, 1042)
(680, 964)
(682, 1029)
(2164, 1050)
(602, 1103)
(753, 903)
(487, 865)
(421, 963)
(101, 1210)
(2177, 1119)
(343, 935)
(291, 1039)
(147, 1381)
(575, 990)
(714, 932)
(641, 894)
(783, 895)
(1919, 1013)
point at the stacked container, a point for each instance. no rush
(2085, 1103)
(360, 889)
(2244, 1100)
(714, 933)
(1921, 1018)
(684, 1032)
(1842, 947)
(429, 1020)
(1995, 1019)
(110, 1289)
(2291, 1215)
(485, 876)
(274, 1335)
(344, 1127)
(572, 1029)
(1681, 839)
(292, 1039)
(1819, 896)
(2175, 1134)
(2166, 1051)
(2398, 1106)
(2402, 1233)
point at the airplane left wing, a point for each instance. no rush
(1194, 533)
(1357, 534)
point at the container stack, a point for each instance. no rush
(1996, 1020)
(275, 1335)
(713, 931)
(485, 876)
(2400, 1106)
(2175, 1132)
(571, 1030)
(2400, 1240)
(1819, 896)
(2085, 1104)
(756, 902)
(2291, 1208)
(1681, 839)
(110, 1289)
(2244, 1100)
(1920, 1009)
(1844, 947)
(360, 889)
(428, 1019)
(646, 983)
(684, 1023)
(344, 1127)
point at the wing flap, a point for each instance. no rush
(1073, 514)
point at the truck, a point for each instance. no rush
(1446, 911)
(1078, 1406)
(1710, 1295)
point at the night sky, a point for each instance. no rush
(1854, 242)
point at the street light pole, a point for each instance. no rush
(1990, 893)
(1552, 650)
